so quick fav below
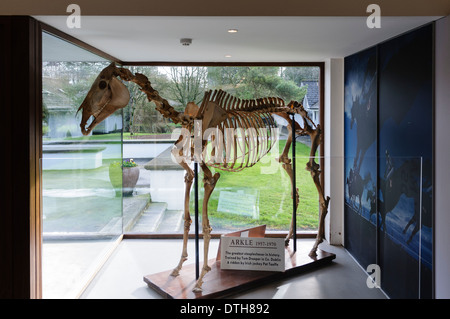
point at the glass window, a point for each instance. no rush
(122, 179)
(82, 190)
(257, 195)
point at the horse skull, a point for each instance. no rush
(107, 95)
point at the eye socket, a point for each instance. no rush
(102, 85)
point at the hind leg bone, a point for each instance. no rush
(286, 163)
(189, 177)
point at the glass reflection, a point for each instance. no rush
(257, 195)
(82, 206)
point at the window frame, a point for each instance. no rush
(320, 65)
(36, 242)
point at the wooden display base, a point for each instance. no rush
(220, 283)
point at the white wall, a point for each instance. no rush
(334, 149)
(442, 158)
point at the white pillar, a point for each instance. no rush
(334, 149)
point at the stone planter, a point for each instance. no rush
(130, 176)
(123, 183)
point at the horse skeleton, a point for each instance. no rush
(223, 115)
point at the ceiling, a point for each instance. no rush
(260, 39)
(226, 8)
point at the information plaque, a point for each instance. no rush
(252, 253)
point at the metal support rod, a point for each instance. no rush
(197, 258)
(294, 188)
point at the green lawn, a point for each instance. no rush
(66, 213)
(273, 193)
(111, 136)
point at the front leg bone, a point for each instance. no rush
(188, 179)
(209, 184)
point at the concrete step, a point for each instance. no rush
(114, 227)
(133, 207)
(171, 222)
(150, 219)
(156, 218)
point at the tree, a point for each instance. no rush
(254, 82)
(300, 74)
(187, 84)
(140, 115)
(73, 79)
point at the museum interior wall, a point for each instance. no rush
(20, 92)
(334, 147)
(389, 161)
(367, 252)
(442, 154)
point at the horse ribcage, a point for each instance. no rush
(248, 133)
(231, 103)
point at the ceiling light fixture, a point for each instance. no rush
(228, 56)
(232, 30)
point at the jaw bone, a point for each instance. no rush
(107, 95)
